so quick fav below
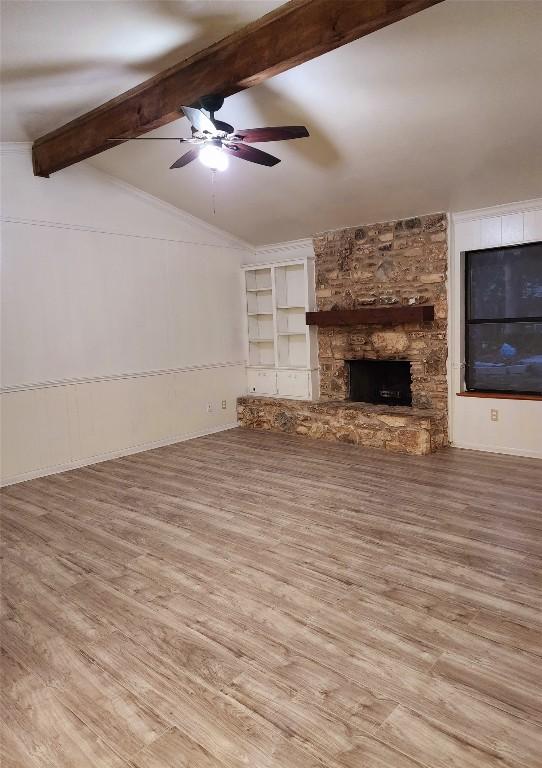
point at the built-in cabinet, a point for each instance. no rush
(281, 349)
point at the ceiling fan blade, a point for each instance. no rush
(220, 125)
(199, 121)
(277, 133)
(186, 158)
(251, 154)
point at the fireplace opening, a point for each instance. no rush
(380, 381)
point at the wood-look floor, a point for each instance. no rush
(253, 600)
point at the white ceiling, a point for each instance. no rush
(441, 111)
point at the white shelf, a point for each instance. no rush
(281, 348)
(261, 354)
(291, 321)
(292, 350)
(291, 285)
(258, 280)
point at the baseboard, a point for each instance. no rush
(98, 458)
(506, 451)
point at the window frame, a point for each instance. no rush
(489, 321)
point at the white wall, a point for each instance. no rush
(519, 426)
(121, 320)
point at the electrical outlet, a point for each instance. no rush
(494, 414)
(224, 405)
(209, 407)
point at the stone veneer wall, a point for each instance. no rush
(396, 262)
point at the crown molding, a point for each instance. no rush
(498, 210)
(112, 232)
(302, 244)
(228, 240)
(288, 250)
(179, 213)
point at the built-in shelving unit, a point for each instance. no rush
(281, 347)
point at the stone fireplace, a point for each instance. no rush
(383, 381)
(395, 263)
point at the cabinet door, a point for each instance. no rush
(293, 384)
(262, 382)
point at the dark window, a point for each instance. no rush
(504, 319)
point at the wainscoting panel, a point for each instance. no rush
(53, 428)
(121, 320)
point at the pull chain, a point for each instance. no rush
(213, 174)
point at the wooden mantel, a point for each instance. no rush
(388, 315)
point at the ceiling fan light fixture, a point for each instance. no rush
(213, 157)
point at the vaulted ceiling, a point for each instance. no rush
(439, 111)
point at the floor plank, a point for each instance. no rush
(253, 598)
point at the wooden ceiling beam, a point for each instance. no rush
(293, 33)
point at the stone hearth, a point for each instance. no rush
(397, 263)
(400, 429)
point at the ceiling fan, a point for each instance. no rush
(214, 139)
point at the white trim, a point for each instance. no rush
(498, 210)
(304, 244)
(505, 451)
(293, 369)
(179, 213)
(116, 376)
(99, 457)
(269, 264)
(279, 255)
(229, 240)
(99, 231)
(450, 320)
(298, 258)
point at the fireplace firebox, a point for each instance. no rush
(380, 381)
